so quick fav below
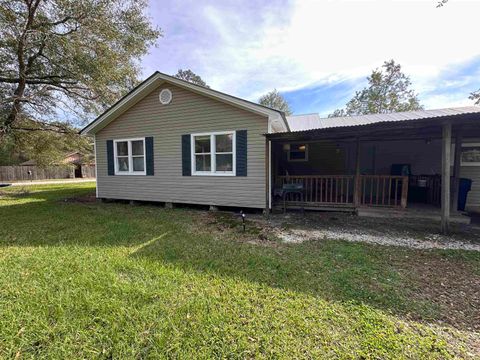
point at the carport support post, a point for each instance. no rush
(456, 168)
(268, 176)
(446, 148)
(357, 184)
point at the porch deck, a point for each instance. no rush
(413, 211)
(366, 195)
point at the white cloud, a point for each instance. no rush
(305, 42)
(445, 100)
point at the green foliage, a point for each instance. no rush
(78, 56)
(190, 76)
(43, 147)
(275, 100)
(388, 91)
(90, 280)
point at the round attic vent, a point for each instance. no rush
(165, 96)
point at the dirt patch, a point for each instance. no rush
(450, 284)
(84, 199)
(230, 224)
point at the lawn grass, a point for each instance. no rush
(92, 280)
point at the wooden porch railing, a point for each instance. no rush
(383, 190)
(338, 190)
(323, 189)
(433, 186)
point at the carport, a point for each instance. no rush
(327, 159)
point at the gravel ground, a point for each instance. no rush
(418, 234)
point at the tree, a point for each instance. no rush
(275, 100)
(388, 91)
(475, 96)
(190, 76)
(44, 147)
(441, 3)
(77, 55)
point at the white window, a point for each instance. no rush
(470, 154)
(129, 156)
(298, 152)
(213, 153)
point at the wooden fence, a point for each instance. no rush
(27, 173)
(88, 171)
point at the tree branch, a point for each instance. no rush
(40, 80)
(42, 129)
(59, 22)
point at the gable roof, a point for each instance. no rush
(149, 84)
(314, 121)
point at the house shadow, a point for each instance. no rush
(61, 217)
(335, 271)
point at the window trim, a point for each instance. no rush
(467, 145)
(130, 157)
(213, 153)
(290, 149)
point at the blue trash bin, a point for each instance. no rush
(464, 187)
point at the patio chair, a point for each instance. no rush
(292, 189)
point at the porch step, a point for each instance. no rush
(314, 206)
(411, 213)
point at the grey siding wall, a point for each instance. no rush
(472, 172)
(187, 113)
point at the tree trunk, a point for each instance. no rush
(22, 73)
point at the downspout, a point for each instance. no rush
(269, 150)
(96, 167)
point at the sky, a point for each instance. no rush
(318, 53)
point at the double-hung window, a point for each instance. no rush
(470, 154)
(213, 153)
(130, 156)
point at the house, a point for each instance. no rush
(171, 141)
(83, 165)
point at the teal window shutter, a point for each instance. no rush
(110, 159)
(186, 155)
(149, 155)
(241, 152)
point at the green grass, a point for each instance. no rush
(91, 280)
